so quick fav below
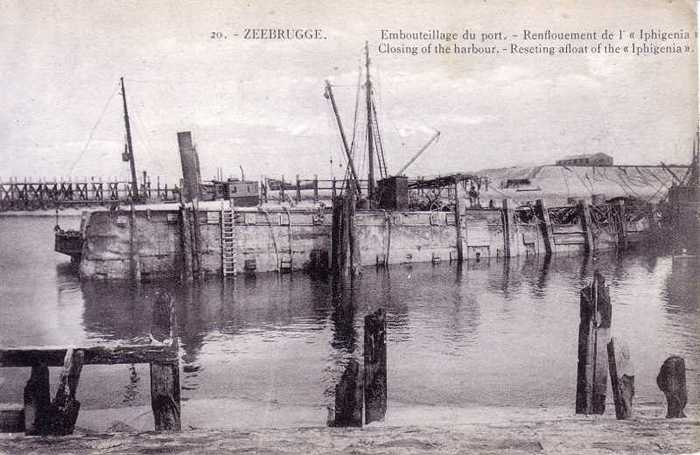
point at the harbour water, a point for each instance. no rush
(486, 334)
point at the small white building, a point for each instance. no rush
(593, 159)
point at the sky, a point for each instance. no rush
(259, 104)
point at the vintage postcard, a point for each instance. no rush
(349, 227)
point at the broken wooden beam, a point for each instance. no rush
(621, 378)
(375, 378)
(671, 381)
(64, 409)
(95, 355)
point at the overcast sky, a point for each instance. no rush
(260, 104)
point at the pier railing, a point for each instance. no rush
(38, 195)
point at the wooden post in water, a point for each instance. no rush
(37, 399)
(348, 397)
(165, 376)
(545, 225)
(64, 408)
(298, 189)
(621, 378)
(508, 228)
(186, 237)
(315, 188)
(671, 381)
(621, 217)
(586, 225)
(593, 337)
(375, 379)
(458, 224)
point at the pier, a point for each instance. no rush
(27, 195)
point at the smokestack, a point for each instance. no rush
(190, 167)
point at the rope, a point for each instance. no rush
(92, 131)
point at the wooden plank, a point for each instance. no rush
(375, 377)
(37, 399)
(64, 408)
(95, 355)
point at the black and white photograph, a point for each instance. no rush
(359, 227)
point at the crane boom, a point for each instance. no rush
(419, 153)
(329, 95)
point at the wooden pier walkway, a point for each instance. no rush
(41, 195)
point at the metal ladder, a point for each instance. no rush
(228, 240)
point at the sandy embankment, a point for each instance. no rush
(211, 427)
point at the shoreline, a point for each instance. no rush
(499, 430)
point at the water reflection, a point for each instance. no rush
(441, 318)
(490, 333)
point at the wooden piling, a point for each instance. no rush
(345, 254)
(37, 399)
(375, 378)
(165, 375)
(348, 397)
(315, 188)
(594, 335)
(621, 378)
(508, 227)
(671, 381)
(458, 224)
(64, 408)
(621, 223)
(298, 189)
(586, 225)
(186, 240)
(545, 225)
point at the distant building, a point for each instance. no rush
(593, 159)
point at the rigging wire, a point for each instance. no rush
(94, 128)
(357, 107)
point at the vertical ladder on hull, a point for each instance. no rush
(228, 239)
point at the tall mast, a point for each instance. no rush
(370, 136)
(129, 146)
(329, 95)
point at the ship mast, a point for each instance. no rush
(370, 135)
(129, 146)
